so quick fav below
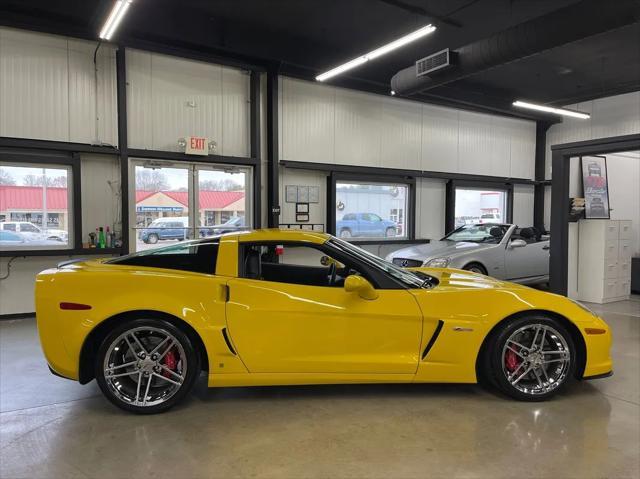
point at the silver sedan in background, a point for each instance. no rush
(503, 251)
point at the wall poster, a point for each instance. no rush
(596, 186)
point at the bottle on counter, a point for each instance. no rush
(109, 239)
(102, 242)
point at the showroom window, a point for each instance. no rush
(35, 206)
(175, 201)
(371, 210)
(480, 206)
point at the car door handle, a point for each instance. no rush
(546, 247)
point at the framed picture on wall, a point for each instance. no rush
(596, 186)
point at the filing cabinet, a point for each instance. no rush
(604, 260)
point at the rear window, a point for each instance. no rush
(195, 256)
(9, 227)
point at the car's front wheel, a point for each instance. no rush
(152, 238)
(531, 358)
(146, 366)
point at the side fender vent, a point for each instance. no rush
(226, 340)
(432, 341)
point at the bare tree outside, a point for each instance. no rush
(220, 185)
(37, 180)
(6, 178)
(151, 180)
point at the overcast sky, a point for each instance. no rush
(179, 177)
(18, 173)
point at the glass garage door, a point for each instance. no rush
(175, 201)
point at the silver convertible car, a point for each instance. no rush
(503, 251)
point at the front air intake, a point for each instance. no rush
(433, 63)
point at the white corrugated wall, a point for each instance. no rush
(47, 88)
(324, 124)
(610, 116)
(170, 98)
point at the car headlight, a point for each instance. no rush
(438, 262)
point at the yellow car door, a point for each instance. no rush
(289, 328)
(290, 317)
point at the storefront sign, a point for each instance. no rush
(172, 209)
(197, 145)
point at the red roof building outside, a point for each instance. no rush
(30, 198)
(208, 200)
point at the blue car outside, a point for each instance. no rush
(365, 225)
(165, 230)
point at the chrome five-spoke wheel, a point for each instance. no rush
(536, 359)
(146, 366)
(531, 358)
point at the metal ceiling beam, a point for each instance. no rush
(421, 11)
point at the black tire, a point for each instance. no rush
(191, 357)
(152, 238)
(475, 268)
(345, 233)
(390, 232)
(494, 367)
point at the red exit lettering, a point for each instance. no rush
(197, 143)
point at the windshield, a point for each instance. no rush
(487, 233)
(235, 221)
(406, 277)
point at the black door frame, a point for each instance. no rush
(560, 204)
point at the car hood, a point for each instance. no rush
(456, 279)
(437, 249)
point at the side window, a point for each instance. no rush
(29, 228)
(349, 217)
(9, 227)
(194, 257)
(293, 263)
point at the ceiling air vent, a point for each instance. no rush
(433, 63)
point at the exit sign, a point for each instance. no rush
(197, 145)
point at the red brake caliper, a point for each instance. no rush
(170, 362)
(511, 360)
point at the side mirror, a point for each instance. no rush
(517, 243)
(357, 284)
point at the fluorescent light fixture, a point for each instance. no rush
(378, 52)
(115, 17)
(550, 109)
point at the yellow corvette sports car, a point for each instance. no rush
(271, 307)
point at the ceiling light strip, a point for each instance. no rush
(378, 52)
(550, 109)
(115, 17)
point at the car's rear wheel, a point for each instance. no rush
(475, 268)
(152, 238)
(345, 233)
(531, 358)
(391, 232)
(146, 366)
